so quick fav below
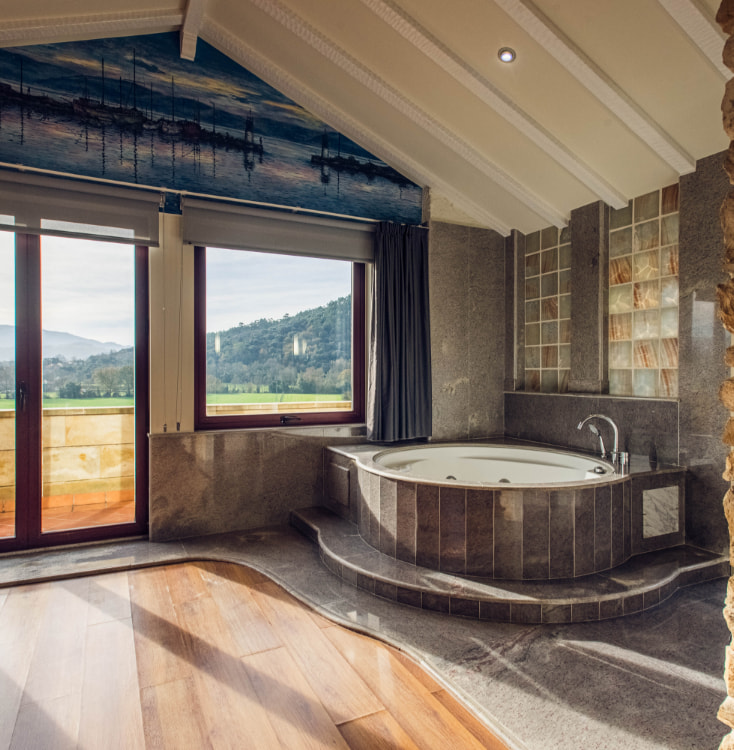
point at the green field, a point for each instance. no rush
(212, 398)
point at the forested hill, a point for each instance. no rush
(308, 352)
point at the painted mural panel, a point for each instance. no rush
(131, 110)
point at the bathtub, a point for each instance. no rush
(485, 510)
(482, 465)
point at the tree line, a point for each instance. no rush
(309, 352)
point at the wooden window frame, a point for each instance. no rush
(204, 421)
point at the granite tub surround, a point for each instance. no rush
(217, 481)
(540, 687)
(527, 533)
(648, 428)
(638, 585)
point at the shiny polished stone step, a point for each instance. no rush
(639, 584)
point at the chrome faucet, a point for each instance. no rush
(616, 456)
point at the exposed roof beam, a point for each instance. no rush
(332, 52)
(529, 18)
(190, 29)
(703, 31)
(91, 26)
(242, 53)
(410, 30)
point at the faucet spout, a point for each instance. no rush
(615, 447)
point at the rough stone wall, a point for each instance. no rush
(725, 293)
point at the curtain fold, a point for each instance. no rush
(399, 388)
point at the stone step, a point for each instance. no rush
(639, 584)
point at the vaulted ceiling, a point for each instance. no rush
(606, 99)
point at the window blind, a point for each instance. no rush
(44, 204)
(242, 227)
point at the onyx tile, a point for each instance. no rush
(388, 515)
(585, 611)
(561, 534)
(452, 529)
(508, 529)
(436, 602)
(427, 544)
(583, 532)
(480, 532)
(465, 607)
(526, 614)
(408, 596)
(556, 613)
(386, 590)
(406, 521)
(609, 608)
(535, 534)
(495, 611)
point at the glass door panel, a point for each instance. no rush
(7, 385)
(88, 383)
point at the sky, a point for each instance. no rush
(87, 287)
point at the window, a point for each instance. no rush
(279, 339)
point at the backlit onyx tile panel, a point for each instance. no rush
(547, 307)
(643, 296)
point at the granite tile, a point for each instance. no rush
(651, 598)
(585, 611)
(386, 590)
(556, 613)
(602, 528)
(535, 534)
(584, 532)
(427, 540)
(452, 529)
(480, 532)
(406, 522)
(618, 523)
(436, 602)
(525, 613)
(633, 603)
(408, 596)
(508, 530)
(609, 608)
(367, 583)
(388, 515)
(465, 607)
(561, 564)
(495, 611)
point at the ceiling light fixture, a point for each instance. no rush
(506, 54)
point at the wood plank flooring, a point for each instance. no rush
(206, 655)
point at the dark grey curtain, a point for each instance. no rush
(399, 388)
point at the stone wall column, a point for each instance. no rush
(725, 293)
(590, 290)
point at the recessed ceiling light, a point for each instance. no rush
(506, 54)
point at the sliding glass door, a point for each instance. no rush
(74, 468)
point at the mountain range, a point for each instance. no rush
(57, 344)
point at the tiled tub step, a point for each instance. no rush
(641, 583)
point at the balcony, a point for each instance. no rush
(88, 468)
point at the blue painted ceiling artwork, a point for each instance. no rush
(131, 110)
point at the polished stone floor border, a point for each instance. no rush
(648, 681)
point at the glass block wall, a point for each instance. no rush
(548, 310)
(643, 296)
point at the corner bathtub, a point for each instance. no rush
(485, 510)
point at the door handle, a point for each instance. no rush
(22, 395)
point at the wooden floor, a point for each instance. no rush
(206, 655)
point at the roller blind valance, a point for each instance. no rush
(242, 227)
(43, 204)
